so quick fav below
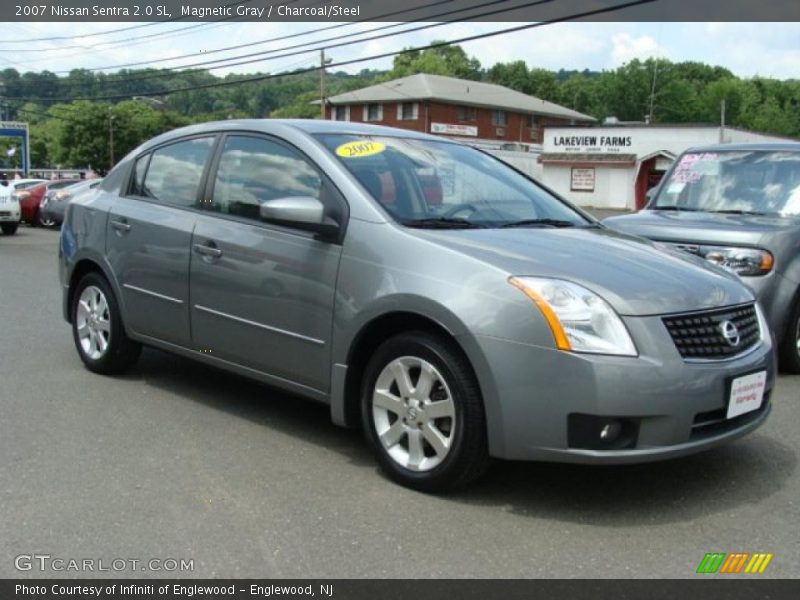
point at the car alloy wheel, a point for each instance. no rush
(46, 222)
(93, 323)
(413, 413)
(97, 328)
(423, 414)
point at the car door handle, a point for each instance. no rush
(208, 249)
(120, 225)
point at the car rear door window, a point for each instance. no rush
(253, 170)
(175, 171)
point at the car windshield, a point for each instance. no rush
(427, 183)
(753, 182)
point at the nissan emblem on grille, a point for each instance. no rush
(730, 332)
(714, 334)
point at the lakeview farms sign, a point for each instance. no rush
(592, 143)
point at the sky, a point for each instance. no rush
(747, 49)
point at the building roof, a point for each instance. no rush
(423, 86)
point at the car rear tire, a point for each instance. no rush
(790, 348)
(97, 328)
(423, 414)
(45, 222)
(9, 228)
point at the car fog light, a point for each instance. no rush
(602, 432)
(610, 431)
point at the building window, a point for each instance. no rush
(467, 114)
(407, 111)
(499, 118)
(341, 113)
(533, 121)
(373, 112)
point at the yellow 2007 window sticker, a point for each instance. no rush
(359, 149)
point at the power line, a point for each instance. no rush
(122, 44)
(261, 55)
(117, 43)
(268, 40)
(46, 111)
(471, 38)
(284, 54)
(258, 42)
(86, 35)
(109, 31)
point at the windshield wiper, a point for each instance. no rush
(677, 208)
(539, 222)
(734, 211)
(442, 223)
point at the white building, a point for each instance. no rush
(614, 166)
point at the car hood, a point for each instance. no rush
(635, 276)
(703, 227)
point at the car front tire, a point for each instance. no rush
(97, 328)
(790, 348)
(423, 413)
(9, 228)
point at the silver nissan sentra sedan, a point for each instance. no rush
(426, 291)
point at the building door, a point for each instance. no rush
(648, 177)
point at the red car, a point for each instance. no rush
(30, 198)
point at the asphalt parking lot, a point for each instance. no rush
(175, 460)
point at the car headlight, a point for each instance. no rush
(747, 262)
(581, 321)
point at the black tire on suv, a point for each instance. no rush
(789, 351)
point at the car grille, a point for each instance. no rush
(5, 213)
(700, 335)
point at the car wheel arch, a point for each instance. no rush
(82, 267)
(345, 405)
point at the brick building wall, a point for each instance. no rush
(517, 126)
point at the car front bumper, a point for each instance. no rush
(9, 212)
(534, 396)
(51, 210)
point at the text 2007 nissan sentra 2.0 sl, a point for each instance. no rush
(423, 289)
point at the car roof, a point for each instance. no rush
(284, 126)
(758, 147)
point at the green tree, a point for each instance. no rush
(439, 60)
(512, 75)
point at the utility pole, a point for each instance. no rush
(110, 138)
(722, 121)
(322, 62)
(653, 93)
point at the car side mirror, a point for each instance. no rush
(301, 212)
